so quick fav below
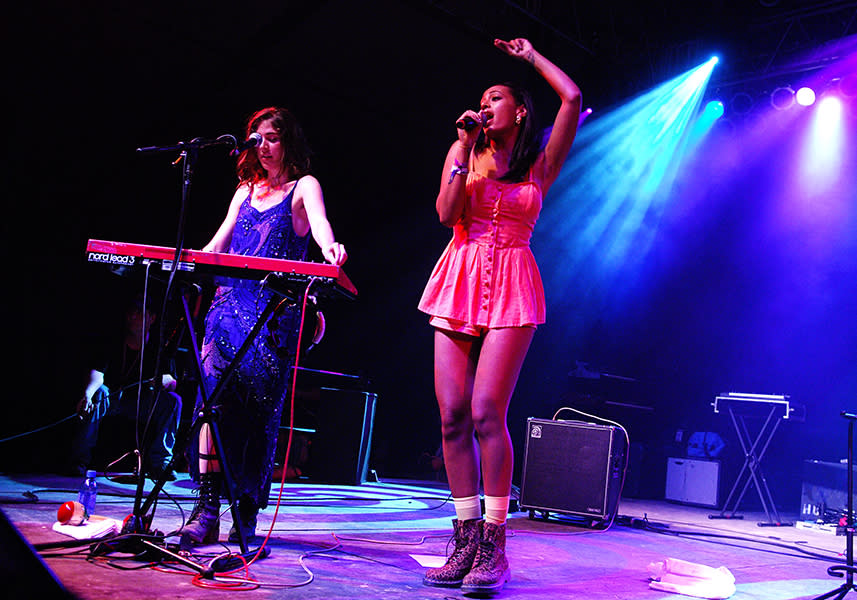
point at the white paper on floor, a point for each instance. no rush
(95, 527)
(691, 579)
(429, 561)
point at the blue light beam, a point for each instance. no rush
(602, 212)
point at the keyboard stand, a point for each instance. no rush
(754, 450)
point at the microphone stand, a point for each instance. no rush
(848, 568)
(189, 154)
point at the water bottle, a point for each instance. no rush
(88, 494)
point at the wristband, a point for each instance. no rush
(458, 169)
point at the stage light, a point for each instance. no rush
(699, 127)
(741, 103)
(714, 109)
(611, 191)
(782, 98)
(848, 86)
(829, 112)
(805, 96)
(583, 115)
(824, 148)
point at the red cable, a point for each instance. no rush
(291, 432)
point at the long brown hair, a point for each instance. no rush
(529, 141)
(296, 151)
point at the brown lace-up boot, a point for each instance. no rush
(466, 539)
(490, 568)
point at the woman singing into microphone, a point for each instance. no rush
(485, 299)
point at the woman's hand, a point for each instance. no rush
(335, 254)
(168, 382)
(565, 123)
(519, 48)
(85, 407)
(468, 137)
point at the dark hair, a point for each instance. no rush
(296, 151)
(135, 304)
(529, 142)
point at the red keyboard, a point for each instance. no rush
(122, 254)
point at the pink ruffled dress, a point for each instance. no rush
(487, 276)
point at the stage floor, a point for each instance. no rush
(368, 541)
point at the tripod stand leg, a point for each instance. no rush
(141, 510)
(766, 433)
(209, 415)
(848, 568)
(744, 468)
(228, 482)
(839, 593)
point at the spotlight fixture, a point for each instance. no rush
(830, 105)
(848, 86)
(782, 98)
(741, 103)
(805, 96)
(714, 108)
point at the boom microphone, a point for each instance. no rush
(255, 139)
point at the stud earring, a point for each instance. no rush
(518, 120)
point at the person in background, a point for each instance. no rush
(277, 205)
(114, 392)
(485, 299)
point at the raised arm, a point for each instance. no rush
(565, 122)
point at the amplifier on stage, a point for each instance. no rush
(573, 468)
(333, 429)
(340, 450)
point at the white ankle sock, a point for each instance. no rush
(467, 508)
(496, 509)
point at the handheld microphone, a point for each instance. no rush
(467, 123)
(255, 139)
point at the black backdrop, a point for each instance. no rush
(377, 87)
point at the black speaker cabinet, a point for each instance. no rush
(573, 468)
(339, 451)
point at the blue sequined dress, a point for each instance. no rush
(252, 401)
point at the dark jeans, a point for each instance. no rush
(157, 447)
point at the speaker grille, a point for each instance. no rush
(572, 467)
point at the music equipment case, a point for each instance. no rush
(573, 468)
(693, 481)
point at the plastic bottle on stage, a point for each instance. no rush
(88, 494)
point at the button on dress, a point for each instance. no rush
(487, 275)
